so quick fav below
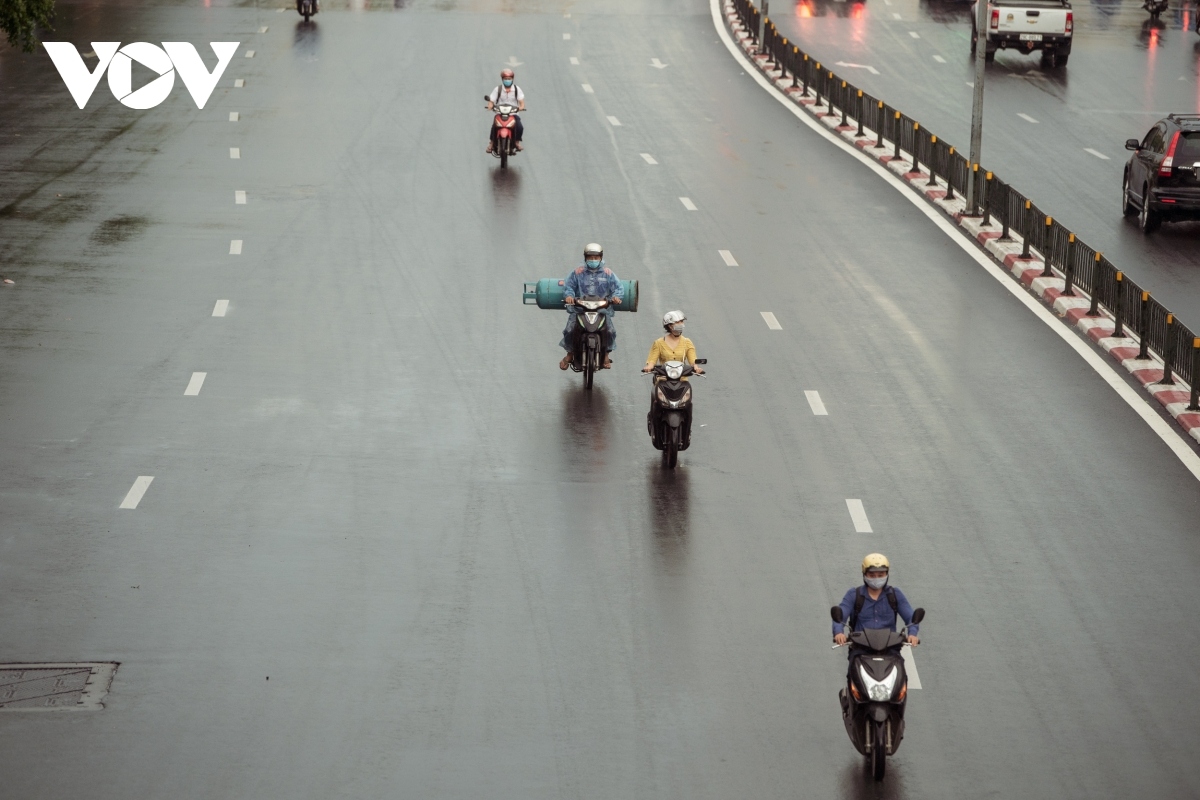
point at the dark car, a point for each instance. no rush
(1162, 178)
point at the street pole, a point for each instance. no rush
(981, 28)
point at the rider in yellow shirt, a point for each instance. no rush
(674, 346)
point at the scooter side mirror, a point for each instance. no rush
(918, 615)
(701, 360)
(1133, 144)
(836, 614)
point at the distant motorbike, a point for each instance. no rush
(1155, 7)
(307, 8)
(876, 691)
(503, 143)
(589, 340)
(669, 420)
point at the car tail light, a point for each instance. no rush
(1070, 21)
(1164, 169)
(995, 19)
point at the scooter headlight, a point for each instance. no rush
(879, 691)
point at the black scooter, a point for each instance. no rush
(589, 338)
(1155, 7)
(307, 8)
(876, 691)
(669, 420)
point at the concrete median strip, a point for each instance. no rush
(1001, 256)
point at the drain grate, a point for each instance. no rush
(55, 687)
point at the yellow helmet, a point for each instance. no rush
(875, 561)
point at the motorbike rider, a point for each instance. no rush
(875, 604)
(674, 346)
(507, 92)
(591, 279)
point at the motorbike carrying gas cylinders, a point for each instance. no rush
(548, 293)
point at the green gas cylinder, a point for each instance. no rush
(548, 293)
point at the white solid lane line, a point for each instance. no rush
(235, 152)
(239, 83)
(616, 123)
(914, 34)
(858, 515)
(220, 308)
(1096, 153)
(728, 257)
(193, 387)
(239, 197)
(649, 158)
(575, 61)
(910, 667)
(249, 54)
(772, 323)
(235, 247)
(815, 403)
(687, 203)
(233, 116)
(566, 36)
(1028, 118)
(136, 491)
(939, 59)
(587, 87)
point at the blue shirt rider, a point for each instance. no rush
(877, 609)
(591, 279)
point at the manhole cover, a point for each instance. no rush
(54, 687)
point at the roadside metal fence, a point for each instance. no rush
(1133, 309)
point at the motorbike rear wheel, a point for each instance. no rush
(879, 751)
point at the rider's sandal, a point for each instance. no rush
(566, 362)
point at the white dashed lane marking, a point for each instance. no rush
(235, 152)
(914, 34)
(239, 197)
(910, 668)
(235, 247)
(233, 116)
(575, 61)
(895, 15)
(858, 515)
(263, 29)
(1096, 153)
(137, 491)
(772, 323)
(249, 54)
(239, 83)
(730, 261)
(220, 308)
(587, 87)
(939, 59)
(815, 403)
(1028, 118)
(566, 36)
(687, 203)
(616, 123)
(193, 387)
(649, 158)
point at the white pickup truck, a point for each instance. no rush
(1028, 25)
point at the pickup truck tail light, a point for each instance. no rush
(1070, 21)
(995, 19)
(1164, 169)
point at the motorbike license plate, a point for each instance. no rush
(1031, 37)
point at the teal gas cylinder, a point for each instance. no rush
(548, 293)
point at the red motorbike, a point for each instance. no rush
(503, 142)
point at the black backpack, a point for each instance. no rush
(860, 598)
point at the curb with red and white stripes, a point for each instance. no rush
(1124, 350)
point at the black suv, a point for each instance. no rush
(1162, 178)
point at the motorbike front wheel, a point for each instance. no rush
(879, 752)
(589, 366)
(504, 165)
(671, 449)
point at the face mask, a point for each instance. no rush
(677, 330)
(507, 84)
(876, 583)
(592, 264)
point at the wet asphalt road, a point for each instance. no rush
(464, 576)
(1125, 73)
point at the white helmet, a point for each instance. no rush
(593, 249)
(671, 317)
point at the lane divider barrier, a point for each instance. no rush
(1076, 281)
